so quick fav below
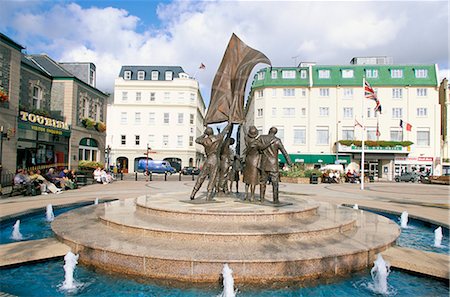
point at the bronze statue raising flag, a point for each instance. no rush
(228, 88)
(227, 104)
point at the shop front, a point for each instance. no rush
(43, 142)
(409, 164)
(379, 161)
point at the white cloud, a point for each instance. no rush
(195, 32)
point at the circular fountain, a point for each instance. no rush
(159, 236)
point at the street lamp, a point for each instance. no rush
(146, 166)
(337, 139)
(107, 151)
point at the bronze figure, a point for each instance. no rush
(252, 157)
(212, 144)
(226, 157)
(235, 168)
(269, 146)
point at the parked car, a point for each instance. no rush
(190, 170)
(155, 167)
(408, 177)
(174, 162)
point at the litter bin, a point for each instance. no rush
(371, 178)
(313, 179)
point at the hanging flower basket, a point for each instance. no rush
(3, 95)
(100, 127)
(88, 123)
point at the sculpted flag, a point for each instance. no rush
(228, 88)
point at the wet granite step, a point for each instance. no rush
(271, 258)
(124, 217)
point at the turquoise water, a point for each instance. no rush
(33, 225)
(420, 235)
(44, 279)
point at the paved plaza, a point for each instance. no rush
(426, 202)
(422, 201)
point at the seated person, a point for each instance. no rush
(64, 176)
(52, 177)
(100, 176)
(22, 178)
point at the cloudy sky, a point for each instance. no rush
(112, 33)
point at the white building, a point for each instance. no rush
(314, 106)
(159, 107)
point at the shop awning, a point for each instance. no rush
(315, 159)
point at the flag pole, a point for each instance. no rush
(363, 133)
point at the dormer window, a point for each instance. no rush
(324, 73)
(168, 75)
(141, 75)
(155, 75)
(347, 73)
(127, 75)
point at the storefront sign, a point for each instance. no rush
(414, 160)
(378, 149)
(43, 124)
(33, 118)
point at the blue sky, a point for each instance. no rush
(187, 33)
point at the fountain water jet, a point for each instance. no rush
(71, 260)
(355, 206)
(379, 273)
(404, 219)
(16, 235)
(228, 282)
(96, 201)
(438, 237)
(49, 214)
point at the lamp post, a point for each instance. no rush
(337, 139)
(146, 165)
(107, 151)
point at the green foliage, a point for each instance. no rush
(89, 165)
(299, 170)
(380, 143)
(88, 123)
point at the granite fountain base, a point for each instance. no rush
(161, 237)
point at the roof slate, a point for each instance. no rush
(148, 71)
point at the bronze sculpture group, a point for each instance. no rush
(261, 163)
(227, 104)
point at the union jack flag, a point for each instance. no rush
(369, 93)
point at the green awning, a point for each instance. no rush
(315, 159)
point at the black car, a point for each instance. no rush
(190, 171)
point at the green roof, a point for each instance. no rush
(336, 79)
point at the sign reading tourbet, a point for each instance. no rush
(39, 123)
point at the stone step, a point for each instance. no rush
(427, 263)
(270, 258)
(125, 218)
(231, 209)
(30, 251)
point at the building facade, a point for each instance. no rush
(157, 109)
(318, 110)
(10, 65)
(444, 101)
(46, 112)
